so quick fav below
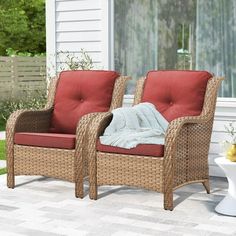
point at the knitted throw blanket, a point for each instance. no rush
(130, 126)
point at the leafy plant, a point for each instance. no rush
(12, 53)
(72, 62)
(22, 26)
(30, 102)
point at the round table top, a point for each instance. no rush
(224, 160)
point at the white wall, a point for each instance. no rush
(76, 24)
(73, 25)
(225, 113)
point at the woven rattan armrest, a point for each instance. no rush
(88, 121)
(95, 129)
(174, 136)
(88, 129)
(176, 125)
(81, 131)
(23, 121)
(29, 121)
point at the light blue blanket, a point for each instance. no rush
(130, 126)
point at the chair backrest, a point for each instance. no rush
(174, 93)
(79, 93)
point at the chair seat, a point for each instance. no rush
(141, 149)
(47, 140)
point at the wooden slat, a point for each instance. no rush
(4, 64)
(30, 64)
(21, 75)
(28, 73)
(5, 73)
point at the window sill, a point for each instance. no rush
(226, 102)
(224, 106)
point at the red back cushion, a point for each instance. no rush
(79, 93)
(176, 93)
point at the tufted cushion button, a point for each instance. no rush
(76, 87)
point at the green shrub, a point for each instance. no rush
(12, 53)
(30, 102)
(2, 124)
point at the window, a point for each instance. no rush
(180, 34)
(184, 51)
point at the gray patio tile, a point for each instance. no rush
(44, 206)
(7, 208)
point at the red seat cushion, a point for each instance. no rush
(141, 149)
(79, 93)
(49, 140)
(176, 93)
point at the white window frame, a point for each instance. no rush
(51, 37)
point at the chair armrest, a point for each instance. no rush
(86, 136)
(175, 126)
(88, 129)
(178, 132)
(97, 127)
(29, 121)
(100, 122)
(82, 128)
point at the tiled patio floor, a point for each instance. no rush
(41, 206)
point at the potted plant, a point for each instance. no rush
(231, 145)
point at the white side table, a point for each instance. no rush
(228, 205)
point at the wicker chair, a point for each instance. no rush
(184, 157)
(47, 142)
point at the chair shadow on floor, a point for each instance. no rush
(181, 194)
(210, 204)
(39, 179)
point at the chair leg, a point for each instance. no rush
(206, 185)
(79, 179)
(92, 170)
(93, 191)
(79, 189)
(10, 180)
(168, 200)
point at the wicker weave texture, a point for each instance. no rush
(64, 164)
(51, 162)
(185, 158)
(141, 171)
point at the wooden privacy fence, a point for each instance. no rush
(22, 76)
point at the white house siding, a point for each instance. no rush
(225, 113)
(76, 24)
